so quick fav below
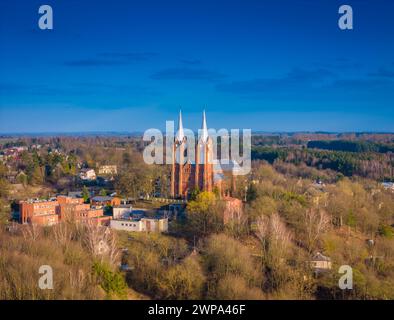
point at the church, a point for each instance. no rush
(203, 174)
(187, 175)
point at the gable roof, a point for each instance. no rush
(320, 257)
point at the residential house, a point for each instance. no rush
(320, 263)
(87, 174)
(102, 201)
(108, 170)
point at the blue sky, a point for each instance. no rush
(270, 65)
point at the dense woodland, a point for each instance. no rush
(299, 201)
(370, 165)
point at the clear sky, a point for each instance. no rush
(270, 65)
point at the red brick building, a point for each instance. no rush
(45, 220)
(187, 176)
(102, 201)
(49, 212)
(38, 210)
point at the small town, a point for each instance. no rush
(127, 217)
(105, 208)
(179, 159)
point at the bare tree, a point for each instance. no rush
(31, 232)
(62, 233)
(101, 242)
(316, 222)
(274, 236)
(113, 249)
(93, 238)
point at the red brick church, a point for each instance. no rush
(187, 176)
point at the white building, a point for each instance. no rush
(87, 174)
(108, 170)
(122, 211)
(140, 225)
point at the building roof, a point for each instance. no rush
(320, 257)
(124, 206)
(36, 200)
(75, 194)
(102, 198)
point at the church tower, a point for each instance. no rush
(187, 175)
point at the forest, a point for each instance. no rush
(371, 165)
(351, 146)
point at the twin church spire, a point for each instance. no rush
(180, 136)
(192, 174)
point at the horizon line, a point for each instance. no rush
(85, 133)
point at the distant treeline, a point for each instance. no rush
(366, 164)
(350, 146)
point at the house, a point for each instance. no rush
(102, 201)
(87, 174)
(140, 225)
(108, 170)
(320, 263)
